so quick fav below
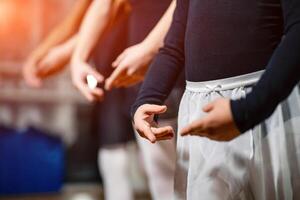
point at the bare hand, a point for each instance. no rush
(55, 61)
(29, 70)
(131, 67)
(79, 72)
(217, 125)
(146, 126)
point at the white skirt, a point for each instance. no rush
(263, 163)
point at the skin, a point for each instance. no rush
(61, 33)
(131, 65)
(146, 126)
(94, 24)
(56, 59)
(217, 125)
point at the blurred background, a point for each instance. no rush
(48, 148)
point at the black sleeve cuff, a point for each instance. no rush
(240, 115)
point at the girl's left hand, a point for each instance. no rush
(218, 124)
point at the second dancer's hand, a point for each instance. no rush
(80, 71)
(54, 62)
(130, 67)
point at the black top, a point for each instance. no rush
(219, 39)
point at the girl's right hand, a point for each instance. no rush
(146, 126)
(79, 72)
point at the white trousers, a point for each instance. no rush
(113, 164)
(159, 161)
(263, 163)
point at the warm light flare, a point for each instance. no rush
(7, 11)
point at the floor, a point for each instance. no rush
(74, 192)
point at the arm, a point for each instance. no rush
(155, 39)
(132, 64)
(57, 58)
(93, 25)
(281, 76)
(60, 34)
(161, 76)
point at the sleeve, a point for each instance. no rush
(168, 63)
(281, 76)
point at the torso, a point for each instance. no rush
(226, 38)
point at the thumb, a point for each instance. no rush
(155, 109)
(208, 107)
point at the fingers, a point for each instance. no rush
(79, 76)
(97, 93)
(45, 68)
(30, 75)
(95, 73)
(208, 107)
(165, 138)
(154, 109)
(154, 134)
(131, 71)
(91, 95)
(85, 91)
(163, 132)
(146, 127)
(117, 62)
(145, 132)
(201, 125)
(194, 127)
(127, 81)
(113, 77)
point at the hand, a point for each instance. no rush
(130, 67)
(79, 72)
(217, 125)
(146, 126)
(55, 61)
(29, 69)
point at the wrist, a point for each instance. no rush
(239, 114)
(150, 47)
(76, 60)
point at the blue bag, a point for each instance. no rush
(30, 162)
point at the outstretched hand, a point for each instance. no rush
(218, 124)
(130, 67)
(146, 126)
(55, 61)
(30, 71)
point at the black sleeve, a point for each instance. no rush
(281, 76)
(168, 64)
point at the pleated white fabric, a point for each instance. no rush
(261, 164)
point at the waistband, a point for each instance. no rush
(225, 84)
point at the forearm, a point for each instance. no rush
(69, 46)
(281, 76)
(168, 64)
(155, 38)
(62, 32)
(93, 25)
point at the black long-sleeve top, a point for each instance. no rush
(214, 39)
